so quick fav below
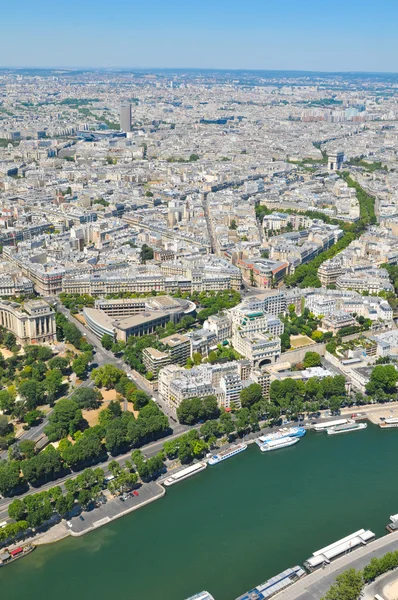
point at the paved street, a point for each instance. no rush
(148, 451)
(115, 508)
(314, 586)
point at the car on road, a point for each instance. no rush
(81, 517)
(135, 493)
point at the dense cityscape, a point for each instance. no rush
(192, 262)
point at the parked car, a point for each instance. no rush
(135, 493)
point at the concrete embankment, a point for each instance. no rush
(116, 508)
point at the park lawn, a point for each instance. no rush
(6, 353)
(298, 341)
(130, 408)
(108, 395)
(80, 318)
(91, 416)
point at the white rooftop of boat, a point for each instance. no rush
(320, 426)
(326, 554)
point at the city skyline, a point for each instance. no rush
(219, 36)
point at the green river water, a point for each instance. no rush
(226, 529)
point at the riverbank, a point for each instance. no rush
(270, 510)
(120, 506)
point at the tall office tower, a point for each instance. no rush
(125, 116)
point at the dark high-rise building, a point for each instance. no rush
(125, 116)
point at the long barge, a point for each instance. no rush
(324, 426)
(346, 428)
(274, 585)
(325, 555)
(225, 454)
(201, 596)
(9, 556)
(285, 432)
(389, 423)
(185, 473)
(278, 444)
(393, 525)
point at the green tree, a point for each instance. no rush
(53, 384)
(146, 253)
(87, 398)
(383, 379)
(16, 510)
(7, 402)
(107, 376)
(251, 395)
(226, 423)
(10, 340)
(107, 341)
(140, 399)
(45, 466)
(81, 363)
(285, 341)
(27, 448)
(10, 479)
(72, 334)
(32, 392)
(5, 426)
(348, 586)
(59, 362)
(88, 449)
(65, 419)
(33, 417)
(312, 359)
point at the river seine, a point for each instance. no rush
(226, 529)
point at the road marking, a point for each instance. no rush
(101, 522)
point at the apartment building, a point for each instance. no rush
(231, 386)
(337, 320)
(224, 380)
(202, 341)
(220, 325)
(154, 360)
(329, 271)
(15, 285)
(259, 348)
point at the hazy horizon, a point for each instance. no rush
(360, 37)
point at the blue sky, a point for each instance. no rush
(253, 34)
